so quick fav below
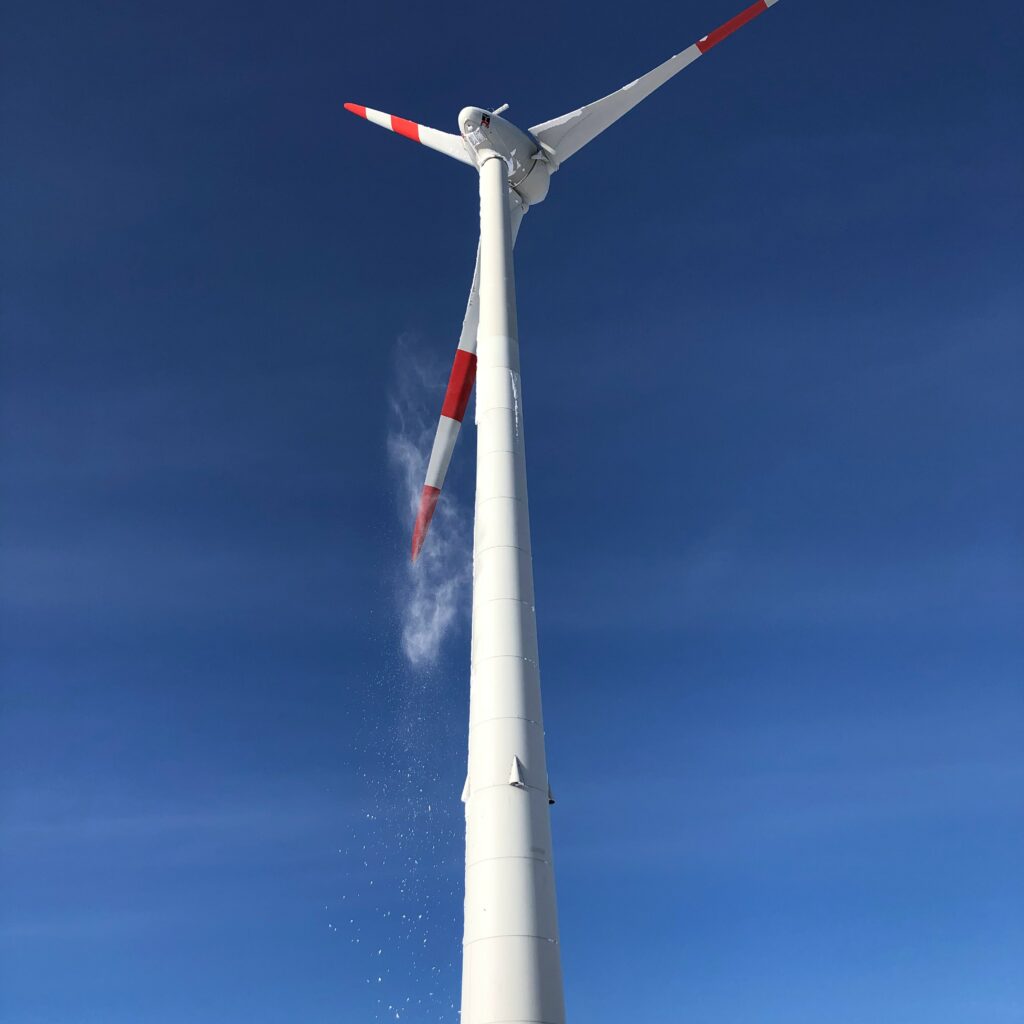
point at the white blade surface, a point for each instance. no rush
(571, 132)
(442, 142)
(456, 399)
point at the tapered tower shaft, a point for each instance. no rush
(511, 962)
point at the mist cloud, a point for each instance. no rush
(432, 592)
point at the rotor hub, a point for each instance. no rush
(487, 134)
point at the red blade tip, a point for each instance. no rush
(428, 502)
(354, 108)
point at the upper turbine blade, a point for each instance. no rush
(443, 142)
(456, 399)
(569, 133)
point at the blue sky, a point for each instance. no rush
(770, 330)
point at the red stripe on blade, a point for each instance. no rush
(428, 502)
(354, 108)
(410, 129)
(460, 385)
(730, 26)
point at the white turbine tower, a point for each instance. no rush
(511, 968)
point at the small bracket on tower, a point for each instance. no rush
(517, 776)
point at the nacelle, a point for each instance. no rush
(528, 170)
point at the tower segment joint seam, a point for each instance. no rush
(493, 657)
(514, 600)
(509, 856)
(495, 497)
(503, 718)
(520, 1020)
(504, 785)
(491, 938)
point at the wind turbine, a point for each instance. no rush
(511, 964)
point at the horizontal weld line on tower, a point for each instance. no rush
(491, 938)
(487, 860)
(477, 664)
(503, 718)
(473, 790)
(492, 657)
(494, 497)
(506, 497)
(519, 1020)
(494, 547)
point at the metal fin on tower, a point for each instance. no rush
(517, 777)
(465, 791)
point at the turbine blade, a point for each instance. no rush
(443, 142)
(569, 133)
(456, 400)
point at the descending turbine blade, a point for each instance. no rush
(571, 132)
(443, 142)
(456, 399)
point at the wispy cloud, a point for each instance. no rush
(43, 824)
(432, 590)
(725, 578)
(90, 862)
(722, 815)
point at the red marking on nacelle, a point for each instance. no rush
(730, 26)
